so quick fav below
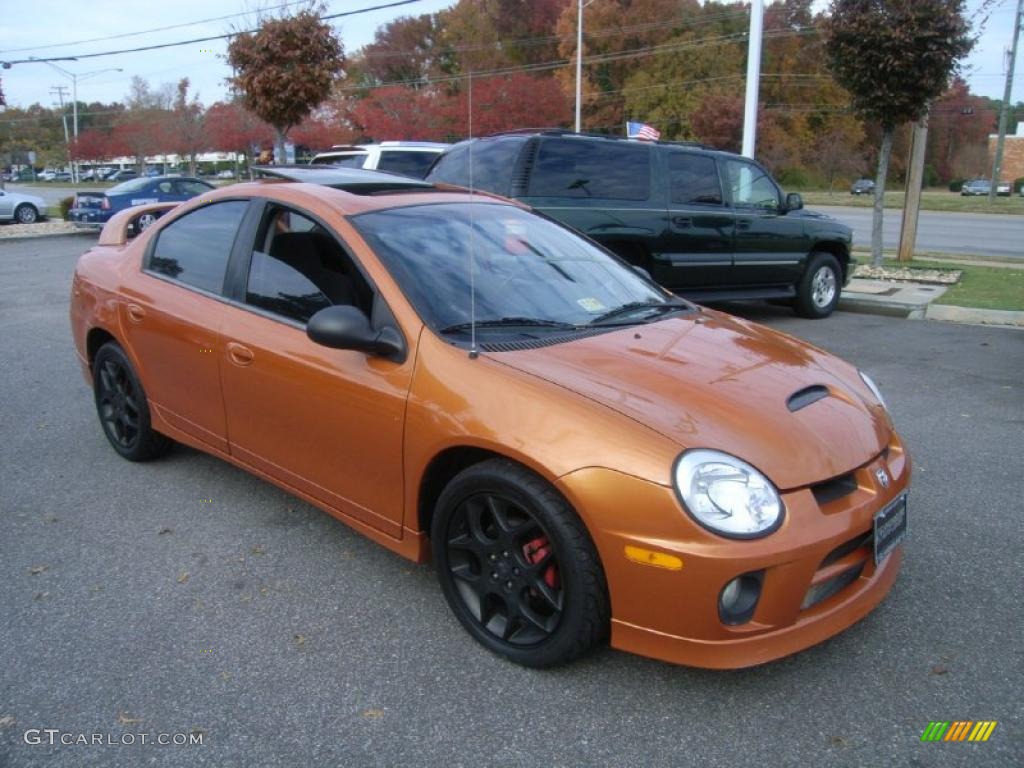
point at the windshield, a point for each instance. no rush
(129, 186)
(524, 268)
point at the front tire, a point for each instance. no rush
(517, 566)
(817, 293)
(122, 407)
(26, 214)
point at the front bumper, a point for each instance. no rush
(673, 615)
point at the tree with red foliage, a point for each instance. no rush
(93, 145)
(510, 103)
(232, 128)
(321, 132)
(400, 112)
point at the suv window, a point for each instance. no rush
(453, 166)
(611, 170)
(195, 248)
(300, 269)
(348, 160)
(406, 162)
(191, 188)
(693, 178)
(750, 185)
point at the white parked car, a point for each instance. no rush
(24, 209)
(225, 174)
(408, 158)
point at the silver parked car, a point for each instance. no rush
(24, 209)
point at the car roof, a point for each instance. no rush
(389, 144)
(351, 191)
(568, 134)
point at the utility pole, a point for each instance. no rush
(59, 90)
(1004, 112)
(915, 179)
(753, 77)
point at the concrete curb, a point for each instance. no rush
(879, 297)
(23, 238)
(955, 314)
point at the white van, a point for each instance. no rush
(408, 158)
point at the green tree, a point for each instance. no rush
(286, 69)
(894, 57)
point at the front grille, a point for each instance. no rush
(834, 489)
(832, 586)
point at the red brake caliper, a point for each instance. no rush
(536, 550)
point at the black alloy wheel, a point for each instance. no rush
(122, 407)
(517, 565)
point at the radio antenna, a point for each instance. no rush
(473, 351)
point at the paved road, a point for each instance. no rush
(292, 641)
(985, 234)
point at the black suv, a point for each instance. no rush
(707, 224)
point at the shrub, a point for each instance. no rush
(65, 206)
(794, 178)
(1018, 185)
(956, 185)
(931, 176)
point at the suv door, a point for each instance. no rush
(697, 249)
(604, 188)
(327, 422)
(171, 326)
(770, 247)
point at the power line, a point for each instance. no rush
(154, 29)
(7, 64)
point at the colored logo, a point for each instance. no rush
(958, 730)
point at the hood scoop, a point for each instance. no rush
(804, 397)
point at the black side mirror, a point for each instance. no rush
(794, 202)
(346, 327)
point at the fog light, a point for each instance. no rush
(739, 597)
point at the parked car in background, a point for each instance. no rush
(46, 175)
(863, 187)
(225, 174)
(584, 456)
(93, 209)
(706, 224)
(61, 176)
(122, 175)
(981, 187)
(1003, 189)
(21, 208)
(408, 158)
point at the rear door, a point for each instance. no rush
(171, 321)
(607, 189)
(6, 205)
(697, 250)
(770, 247)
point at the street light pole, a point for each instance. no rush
(753, 77)
(580, 5)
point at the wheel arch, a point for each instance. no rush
(96, 338)
(836, 249)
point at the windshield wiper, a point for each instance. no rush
(511, 322)
(635, 306)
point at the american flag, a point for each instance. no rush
(642, 131)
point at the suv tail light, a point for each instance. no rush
(105, 205)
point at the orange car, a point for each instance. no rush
(581, 453)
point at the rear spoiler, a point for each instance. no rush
(115, 231)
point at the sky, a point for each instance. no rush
(57, 24)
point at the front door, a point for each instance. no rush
(697, 250)
(171, 316)
(327, 422)
(770, 247)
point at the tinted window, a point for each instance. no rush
(693, 178)
(453, 166)
(407, 163)
(195, 248)
(278, 287)
(611, 170)
(355, 160)
(522, 265)
(750, 186)
(129, 186)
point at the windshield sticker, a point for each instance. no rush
(591, 305)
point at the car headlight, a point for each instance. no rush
(874, 388)
(727, 495)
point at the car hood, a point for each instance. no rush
(709, 380)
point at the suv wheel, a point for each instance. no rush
(818, 290)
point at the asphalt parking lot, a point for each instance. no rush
(185, 596)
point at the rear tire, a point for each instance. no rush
(817, 293)
(122, 407)
(517, 566)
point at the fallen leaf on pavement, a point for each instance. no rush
(183, 577)
(35, 570)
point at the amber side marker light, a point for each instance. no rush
(657, 559)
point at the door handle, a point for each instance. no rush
(683, 222)
(240, 355)
(135, 313)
